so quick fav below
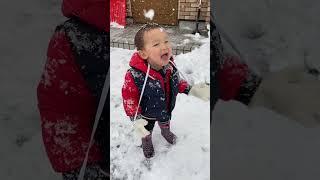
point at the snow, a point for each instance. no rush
(26, 30)
(148, 14)
(194, 65)
(196, 37)
(116, 25)
(284, 30)
(190, 157)
(260, 144)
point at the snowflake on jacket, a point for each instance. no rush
(159, 96)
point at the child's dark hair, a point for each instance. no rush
(138, 39)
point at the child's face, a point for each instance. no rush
(157, 48)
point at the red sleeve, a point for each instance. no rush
(66, 108)
(130, 96)
(184, 87)
(231, 76)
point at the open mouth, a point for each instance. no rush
(165, 56)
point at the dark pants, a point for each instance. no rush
(93, 172)
(151, 123)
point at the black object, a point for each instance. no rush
(197, 20)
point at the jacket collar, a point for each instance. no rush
(138, 63)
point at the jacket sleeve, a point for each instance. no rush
(248, 88)
(184, 87)
(130, 96)
(66, 108)
(236, 81)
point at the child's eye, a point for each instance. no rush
(156, 45)
(166, 41)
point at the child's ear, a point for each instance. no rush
(143, 54)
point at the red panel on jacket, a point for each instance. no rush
(67, 108)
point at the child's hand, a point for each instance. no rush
(201, 91)
(291, 92)
(139, 127)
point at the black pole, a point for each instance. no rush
(197, 20)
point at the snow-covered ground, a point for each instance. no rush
(280, 32)
(259, 144)
(190, 157)
(26, 27)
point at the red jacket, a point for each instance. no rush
(66, 106)
(159, 94)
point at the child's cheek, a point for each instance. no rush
(170, 52)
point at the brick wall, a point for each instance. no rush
(188, 10)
